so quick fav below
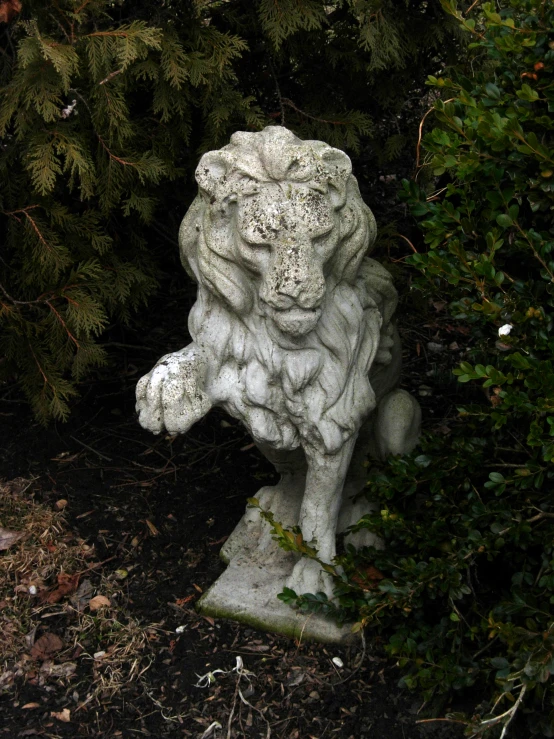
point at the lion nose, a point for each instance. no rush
(305, 292)
(298, 281)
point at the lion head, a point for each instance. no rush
(276, 221)
(293, 314)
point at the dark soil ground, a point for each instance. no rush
(156, 510)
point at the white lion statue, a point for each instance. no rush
(293, 334)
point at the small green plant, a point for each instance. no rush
(465, 587)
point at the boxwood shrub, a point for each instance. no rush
(464, 590)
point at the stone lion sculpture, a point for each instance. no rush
(293, 333)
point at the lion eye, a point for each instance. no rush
(260, 244)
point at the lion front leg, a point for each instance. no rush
(319, 515)
(173, 395)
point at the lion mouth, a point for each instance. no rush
(296, 321)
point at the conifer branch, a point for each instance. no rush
(81, 7)
(278, 90)
(69, 36)
(60, 319)
(7, 295)
(32, 222)
(108, 34)
(19, 210)
(44, 377)
(110, 76)
(123, 162)
(38, 232)
(288, 102)
(43, 301)
(117, 159)
(18, 302)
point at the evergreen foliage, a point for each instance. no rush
(344, 66)
(465, 587)
(95, 114)
(105, 108)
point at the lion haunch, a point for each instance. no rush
(293, 327)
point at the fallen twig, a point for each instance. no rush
(94, 451)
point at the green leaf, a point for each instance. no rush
(504, 220)
(527, 93)
(422, 460)
(492, 90)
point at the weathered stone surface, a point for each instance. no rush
(294, 335)
(247, 592)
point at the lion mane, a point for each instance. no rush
(315, 389)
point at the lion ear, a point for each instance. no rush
(339, 167)
(211, 171)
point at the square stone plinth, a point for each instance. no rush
(247, 592)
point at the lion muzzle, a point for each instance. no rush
(294, 289)
(295, 321)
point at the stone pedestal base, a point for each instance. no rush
(247, 592)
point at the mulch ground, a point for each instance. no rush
(149, 515)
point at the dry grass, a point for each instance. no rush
(46, 586)
(114, 653)
(31, 563)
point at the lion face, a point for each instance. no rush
(285, 235)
